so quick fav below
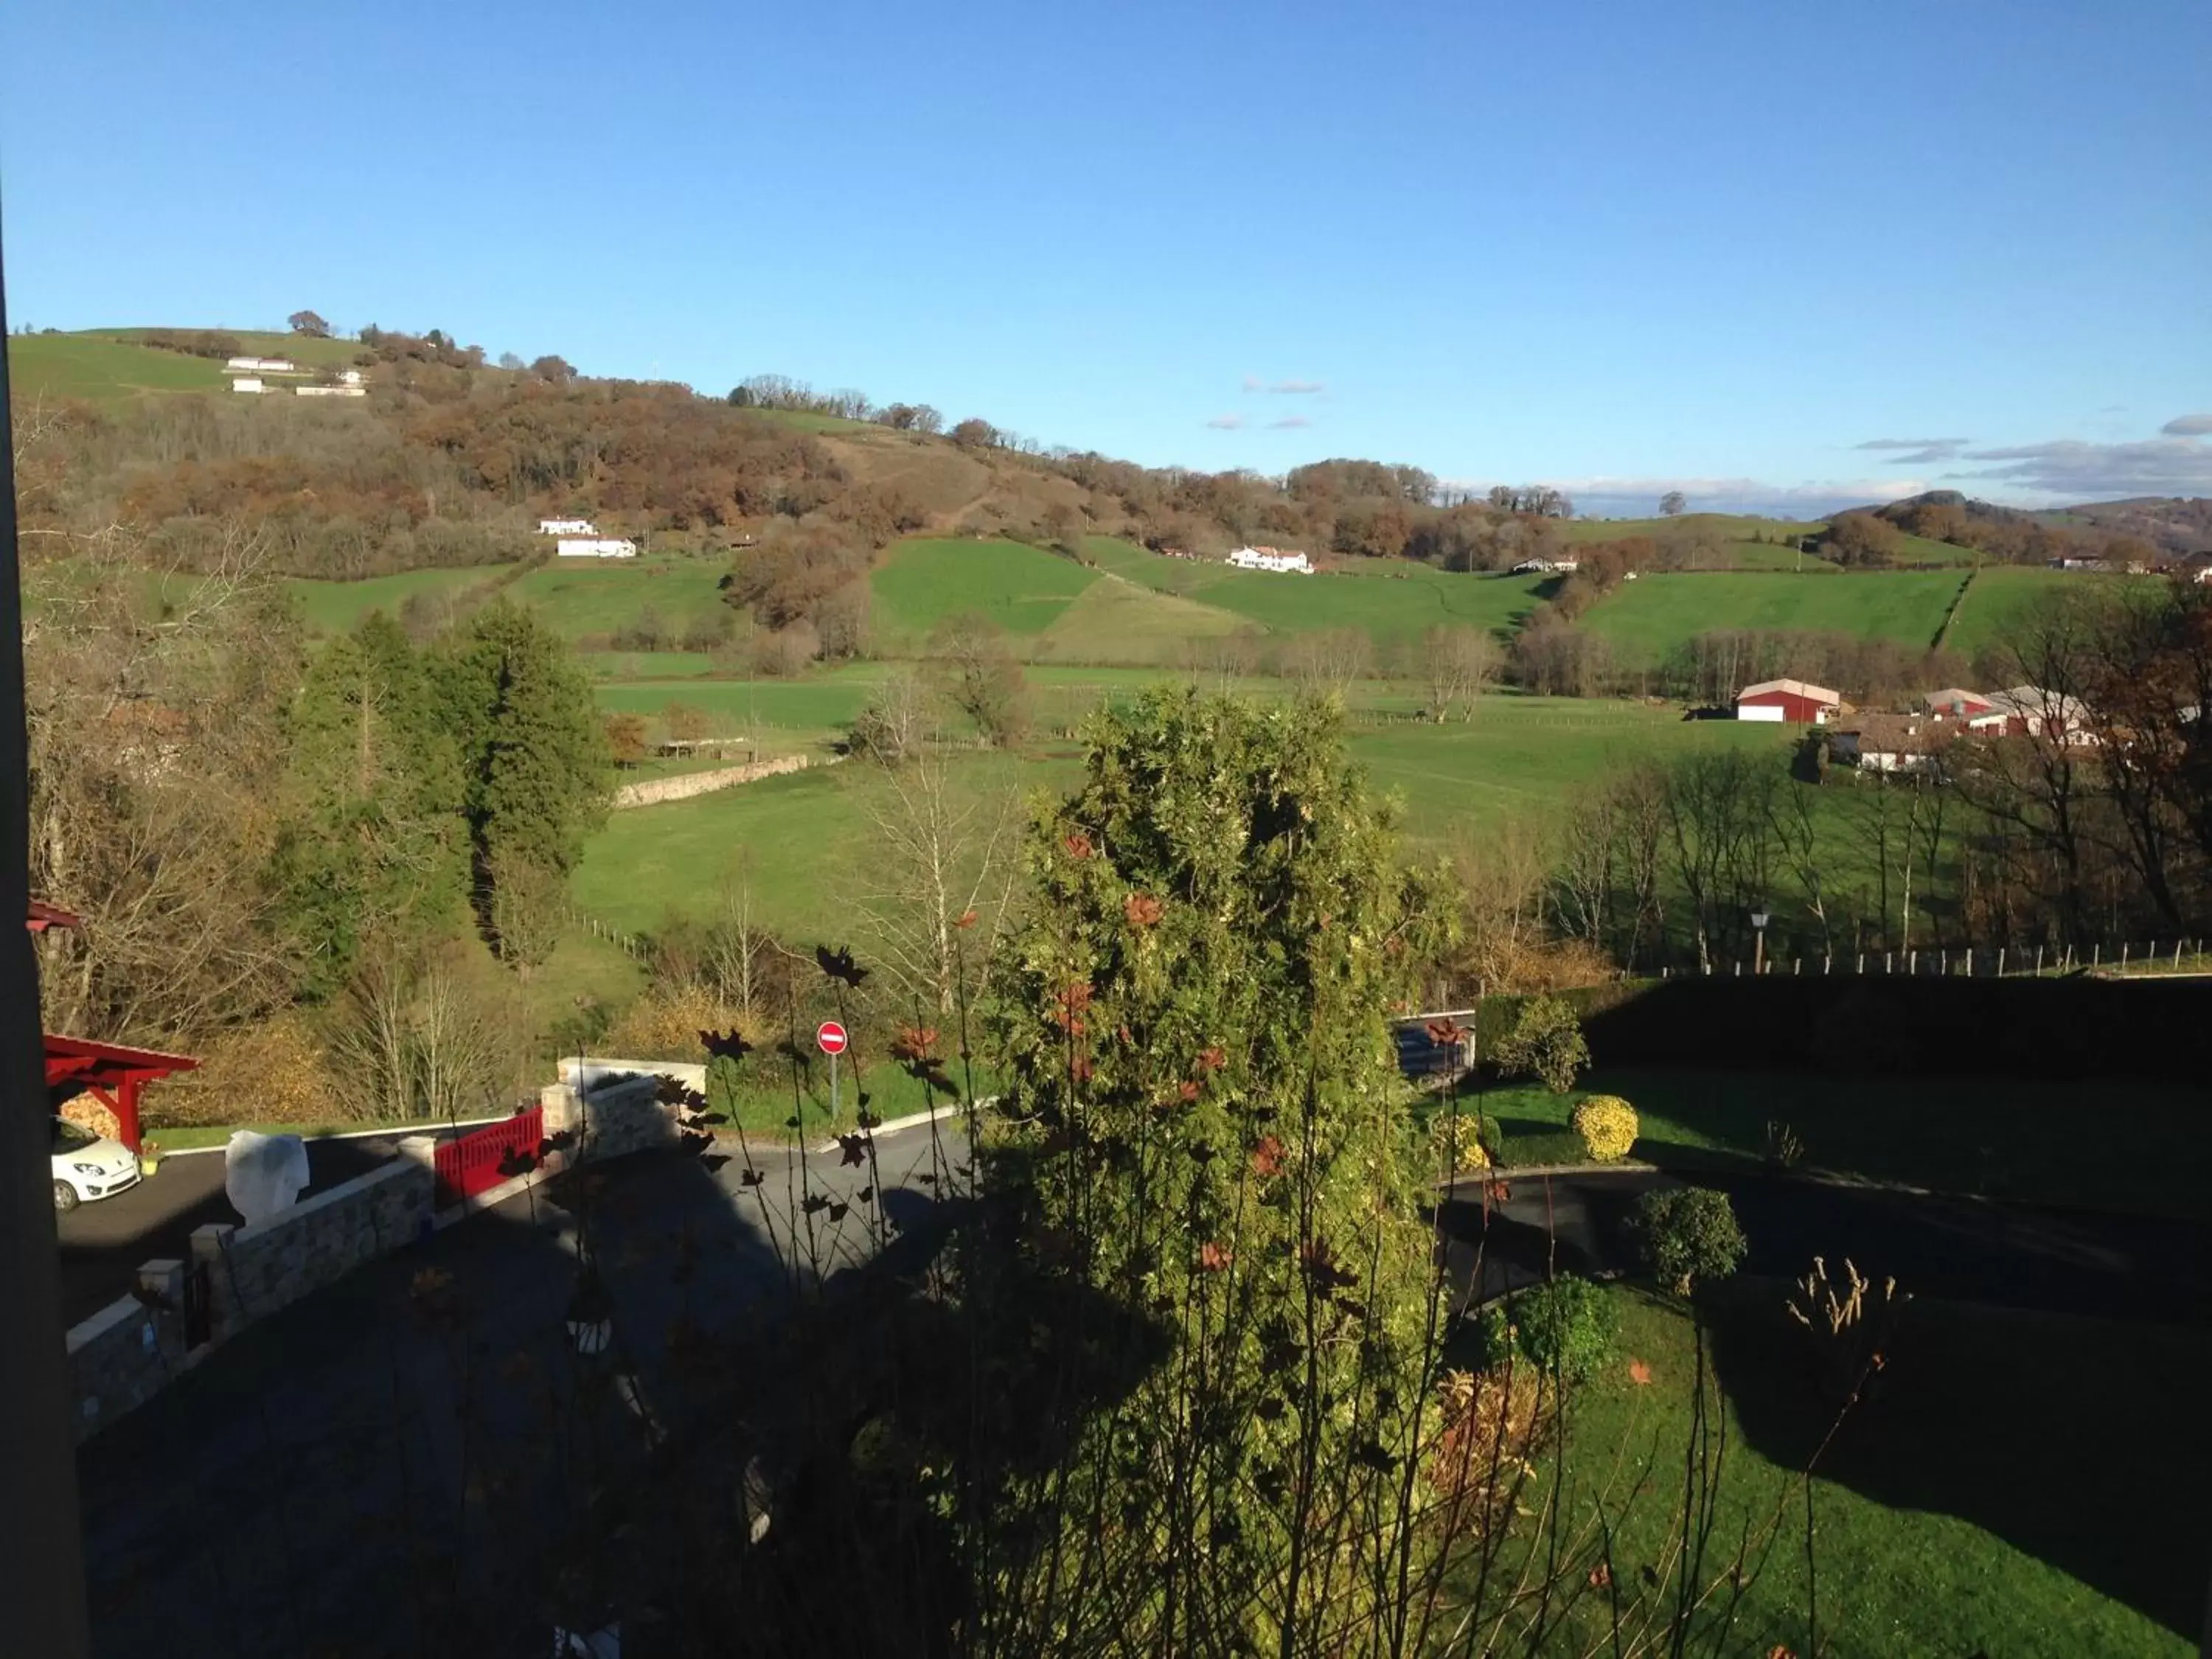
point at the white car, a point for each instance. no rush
(88, 1166)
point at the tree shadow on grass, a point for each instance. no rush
(2075, 1440)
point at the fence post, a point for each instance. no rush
(2038, 958)
(2097, 954)
(1911, 964)
(2177, 956)
(1970, 962)
(2124, 955)
(2001, 951)
(1739, 967)
(1889, 961)
(1943, 964)
(1827, 962)
(1861, 967)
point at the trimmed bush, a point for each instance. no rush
(1465, 1142)
(1547, 1043)
(1566, 1328)
(1607, 1125)
(1688, 1235)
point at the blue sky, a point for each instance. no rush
(1615, 246)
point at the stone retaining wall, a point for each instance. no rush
(125, 1354)
(686, 784)
(254, 1270)
(612, 1117)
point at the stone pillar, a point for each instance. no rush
(564, 1109)
(420, 1149)
(210, 1241)
(163, 1280)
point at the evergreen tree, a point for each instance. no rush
(1215, 1154)
(533, 756)
(374, 842)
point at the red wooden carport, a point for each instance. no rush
(110, 1074)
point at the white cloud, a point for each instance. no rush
(1298, 388)
(2187, 425)
(1226, 422)
(2070, 468)
(1288, 422)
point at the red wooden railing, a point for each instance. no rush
(471, 1164)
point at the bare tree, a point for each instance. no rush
(936, 877)
(1460, 664)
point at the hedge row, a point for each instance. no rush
(2073, 1027)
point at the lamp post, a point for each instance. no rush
(1758, 920)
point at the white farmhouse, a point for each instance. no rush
(595, 547)
(567, 527)
(1269, 558)
(260, 366)
(247, 383)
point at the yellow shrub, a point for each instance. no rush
(666, 1025)
(1457, 1144)
(1607, 1124)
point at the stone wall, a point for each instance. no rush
(686, 784)
(589, 1071)
(611, 1118)
(254, 1270)
(127, 1353)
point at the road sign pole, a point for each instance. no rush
(833, 1085)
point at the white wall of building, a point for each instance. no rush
(1760, 711)
(595, 547)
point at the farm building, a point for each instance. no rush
(595, 547)
(248, 383)
(1269, 558)
(1547, 567)
(2030, 711)
(1970, 711)
(1794, 700)
(1894, 744)
(567, 527)
(331, 391)
(261, 366)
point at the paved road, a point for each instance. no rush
(103, 1243)
(348, 1472)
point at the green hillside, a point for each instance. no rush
(2001, 597)
(1648, 616)
(335, 607)
(1392, 600)
(922, 583)
(1728, 527)
(102, 364)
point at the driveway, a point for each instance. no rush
(103, 1243)
(399, 1453)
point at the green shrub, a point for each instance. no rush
(1688, 1235)
(1547, 1043)
(1607, 1125)
(1465, 1142)
(1566, 1328)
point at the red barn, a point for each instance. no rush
(1794, 700)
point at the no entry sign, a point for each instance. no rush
(829, 1037)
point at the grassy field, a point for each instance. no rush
(577, 598)
(2119, 1144)
(1728, 527)
(921, 584)
(2002, 596)
(1937, 1532)
(1646, 618)
(1393, 600)
(101, 364)
(1520, 756)
(335, 607)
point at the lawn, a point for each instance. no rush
(1648, 617)
(922, 583)
(2117, 1144)
(2017, 1483)
(1118, 621)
